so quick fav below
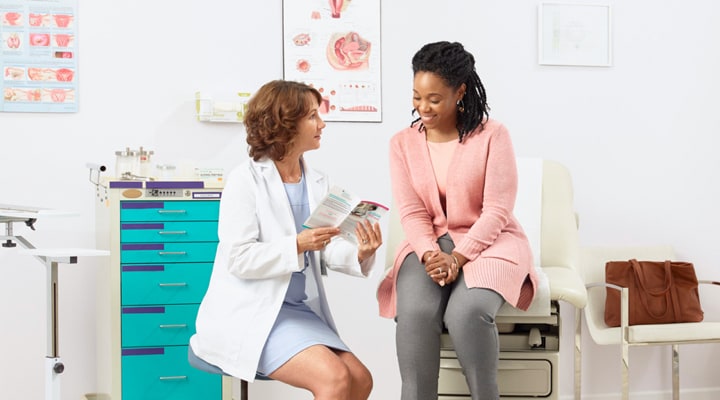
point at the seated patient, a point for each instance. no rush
(454, 181)
(265, 312)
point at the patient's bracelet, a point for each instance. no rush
(455, 265)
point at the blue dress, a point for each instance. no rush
(297, 327)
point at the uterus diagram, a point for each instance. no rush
(337, 7)
(344, 51)
(348, 51)
(331, 49)
(35, 95)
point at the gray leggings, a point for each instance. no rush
(423, 308)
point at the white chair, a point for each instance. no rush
(555, 238)
(593, 269)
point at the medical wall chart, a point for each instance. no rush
(38, 56)
(334, 46)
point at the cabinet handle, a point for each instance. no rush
(174, 378)
(172, 211)
(172, 284)
(172, 232)
(172, 253)
(173, 326)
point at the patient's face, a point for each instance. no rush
(435, 102)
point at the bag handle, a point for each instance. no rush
(672, 295)
(640, 280)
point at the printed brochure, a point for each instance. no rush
(344, 210)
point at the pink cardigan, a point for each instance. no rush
(481, 190)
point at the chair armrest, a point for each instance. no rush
(624, 304)
(603, 284)
(566, 285)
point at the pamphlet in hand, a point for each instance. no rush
(344, 210)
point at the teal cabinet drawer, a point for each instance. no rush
(170, 210)
(157, 325)
(134, 253)
(162, 373)
(195, 231)
(181, 283)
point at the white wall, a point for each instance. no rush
(640, 139)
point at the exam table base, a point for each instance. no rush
(528, 365)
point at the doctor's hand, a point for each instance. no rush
(315, 238)
(369, 238)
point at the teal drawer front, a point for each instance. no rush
(195, 231)
(136, 253)
(200, 210)
(159, 325)
(181, 283)
(163, 373)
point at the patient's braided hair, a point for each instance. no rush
(455, 66)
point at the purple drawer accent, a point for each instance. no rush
(142, 268)
(143, 246)
(142, 226)
(142, 204)
(175, 185)
(143, 352)
(143, 310)
(125, 185)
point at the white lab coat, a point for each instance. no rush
(255, 258)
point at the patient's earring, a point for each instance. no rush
(460, 106)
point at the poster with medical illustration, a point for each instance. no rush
(334, 46)
(39, 56)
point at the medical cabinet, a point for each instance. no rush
(162, 236)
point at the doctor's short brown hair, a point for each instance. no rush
(272, 117)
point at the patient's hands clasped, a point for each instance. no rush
(441, 267)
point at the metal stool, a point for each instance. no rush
(203, 365)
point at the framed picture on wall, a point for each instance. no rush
(574, 34)
(334, 46)
(39, 56)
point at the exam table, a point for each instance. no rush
(529, 340)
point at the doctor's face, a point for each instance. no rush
(309, 128)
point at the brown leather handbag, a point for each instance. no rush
(661, 292)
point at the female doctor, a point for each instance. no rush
(265, 312)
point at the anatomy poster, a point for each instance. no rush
(334, 45)
(38, 56)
